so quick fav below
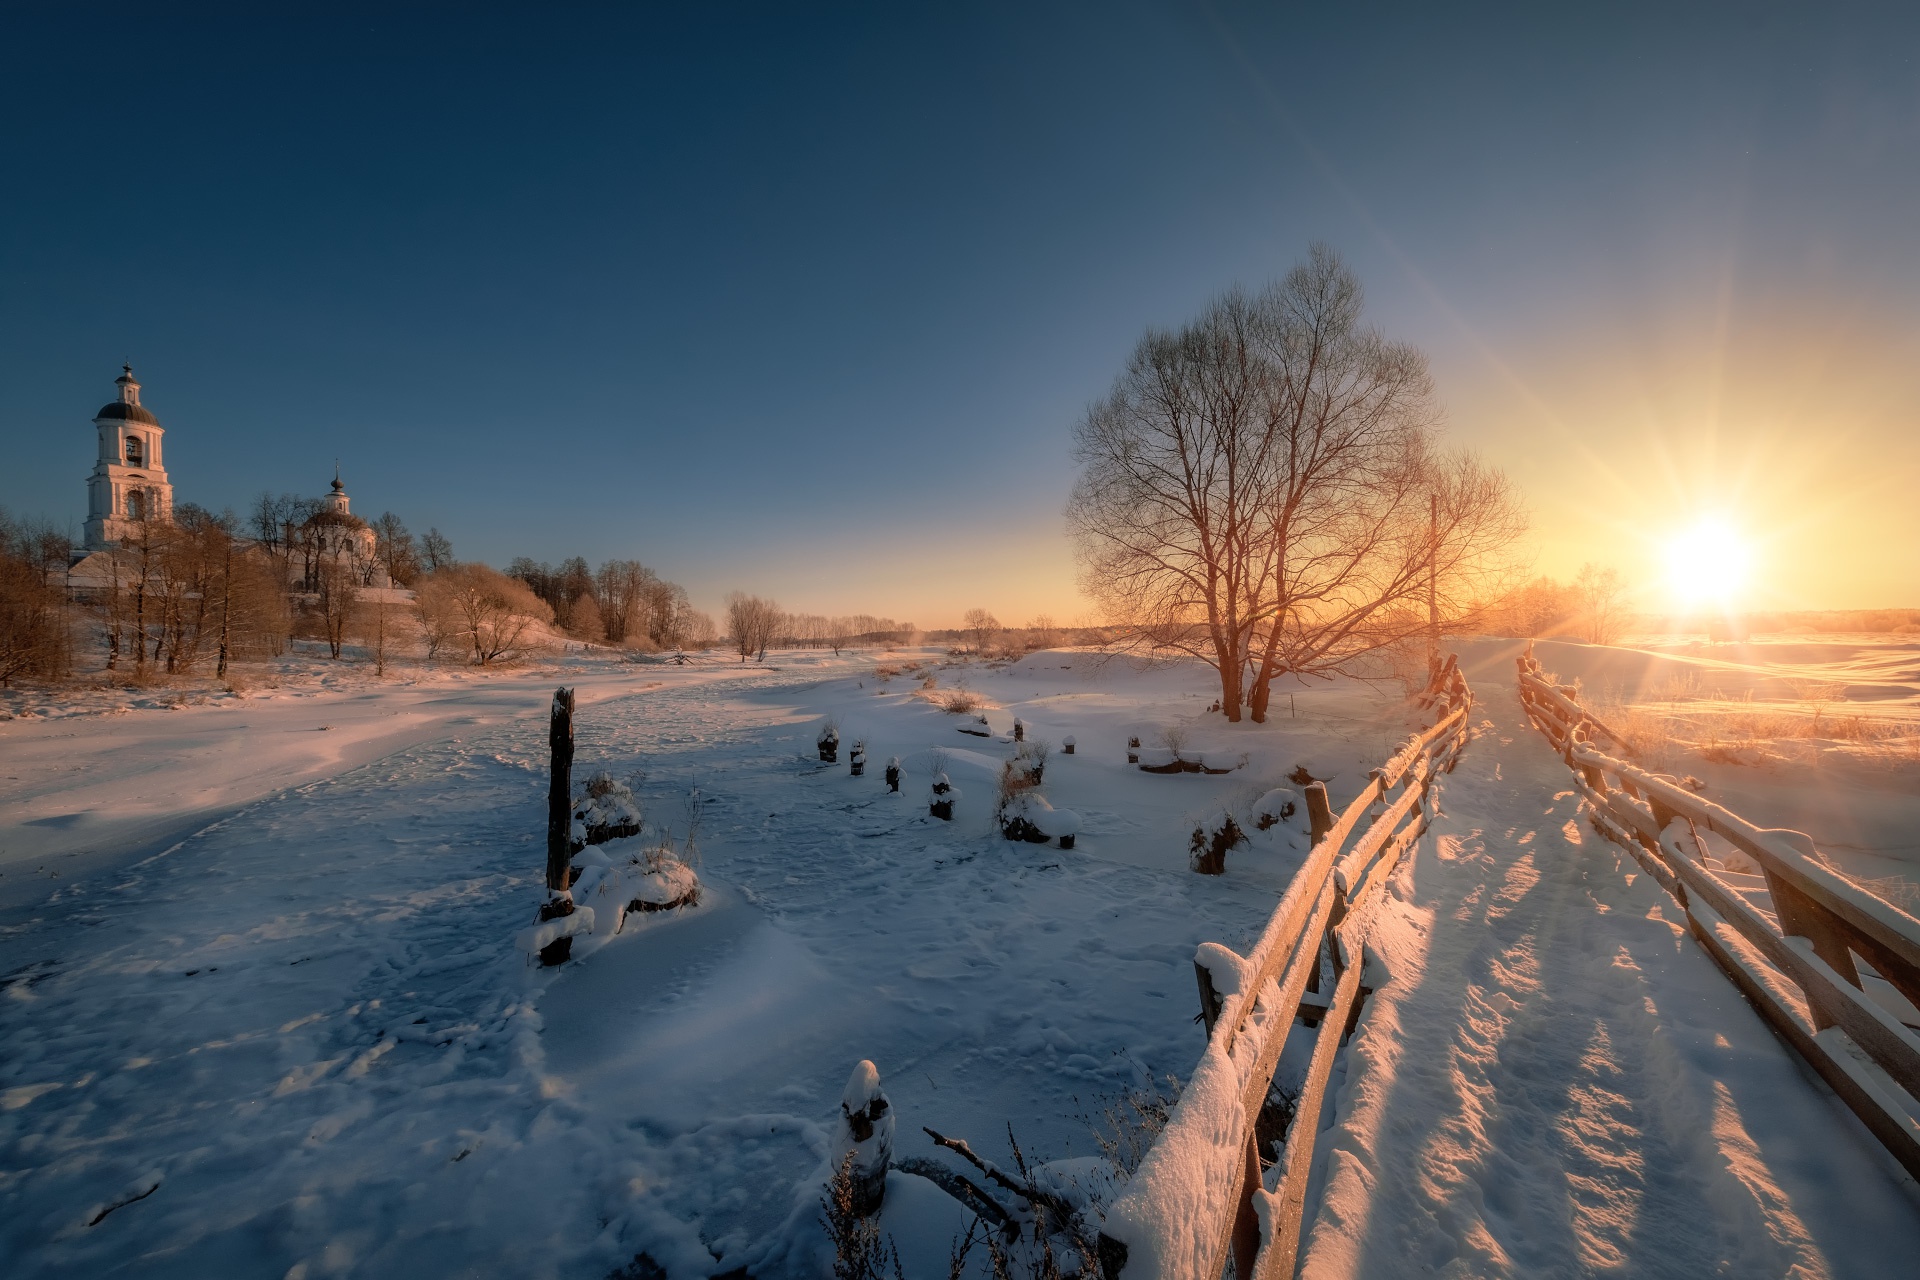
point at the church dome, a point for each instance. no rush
(128, 412)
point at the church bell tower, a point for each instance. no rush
(129, 483)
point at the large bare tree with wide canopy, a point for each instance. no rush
(1264, 488)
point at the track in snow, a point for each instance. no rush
(1557, 1081)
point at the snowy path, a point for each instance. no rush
(1558, 1082)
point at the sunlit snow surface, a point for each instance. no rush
(299, 1042)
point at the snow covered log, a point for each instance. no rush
(865, 1137)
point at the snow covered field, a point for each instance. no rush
(298, 1037)
(268, 1019)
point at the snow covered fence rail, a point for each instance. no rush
(1822, 933)
(1205, 1191)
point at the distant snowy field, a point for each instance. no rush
(263, 1015)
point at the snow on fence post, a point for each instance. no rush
(865, 1138)
(559, 824)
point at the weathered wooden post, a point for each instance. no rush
(1319, 812)
(559, 824)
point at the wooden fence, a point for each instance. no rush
(1803, 950)
(1201, 1193)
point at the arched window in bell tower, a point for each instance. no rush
(135, 457)
(136, 501)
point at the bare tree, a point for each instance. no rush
(395, 549)
(1263, 490)
(34, 626)
(1601, 592)
(436, 552)
(437, 612)
(981, 627)
(752, 622)
(496, 612)
(338, 603)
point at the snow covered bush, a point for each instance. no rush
(829, 741)
(625, 877)
(959, 703)
(606, 812)
(1212, 837)
(1277, 806)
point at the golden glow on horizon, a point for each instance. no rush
(1708, 563)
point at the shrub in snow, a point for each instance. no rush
(940, 799)
(632, 880)
(865, 1140)
(829, 742)
(606, 812)
(858, 757)
(1212, 837)
(1282, 804)
(1016, 817)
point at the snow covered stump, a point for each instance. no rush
(858, 758)
(1066, 747)
(893, 773)
(1133, 751)
(940, 799)
(607, 812)
(829, 742)
(866, 1138)
(1210, 841)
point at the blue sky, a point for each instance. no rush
(805, 301)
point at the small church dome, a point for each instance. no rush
(127, 412)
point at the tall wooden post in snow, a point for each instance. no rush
(560, 794)
(1433, 588)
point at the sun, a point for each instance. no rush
(1708, 563)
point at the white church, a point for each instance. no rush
(129, 493)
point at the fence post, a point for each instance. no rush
(560, 793)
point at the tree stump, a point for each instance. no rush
(893, 773)
(858, 758)
(1067, 746)
(1133, 751)
(866, 1138)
